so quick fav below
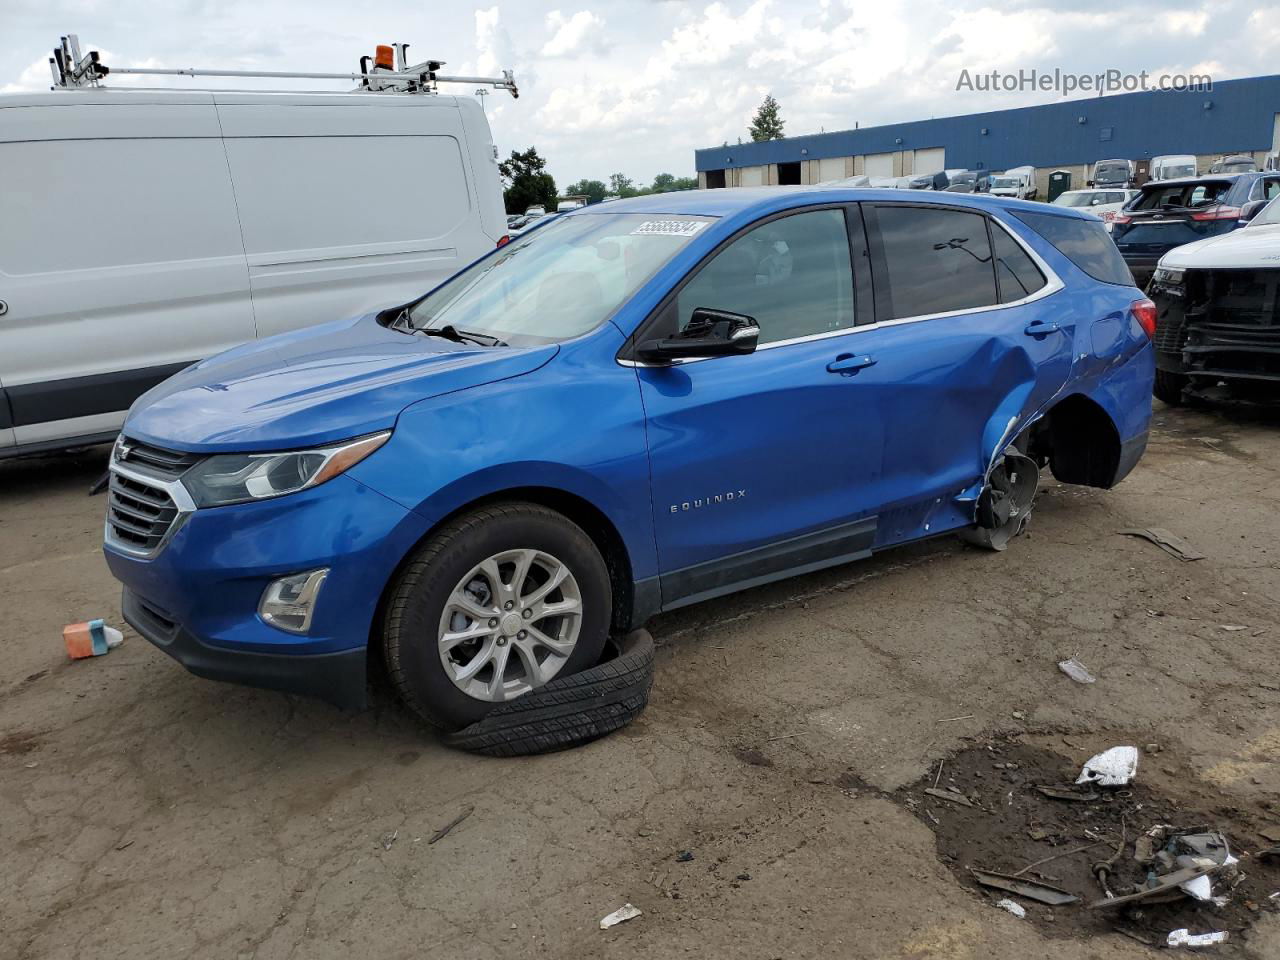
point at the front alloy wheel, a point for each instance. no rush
(510, 624)
(492, 605)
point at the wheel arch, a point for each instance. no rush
(1080, 441)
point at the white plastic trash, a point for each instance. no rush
(623, 913)
(1111, 768)
(1185, 938)
(1017, 909)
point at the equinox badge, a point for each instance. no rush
(701, 502)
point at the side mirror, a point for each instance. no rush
(1251, 210)
(710, 333)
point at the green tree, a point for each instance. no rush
(667, 183)
(526, 181)
(622, 185)
(767, 124)
(593, 190)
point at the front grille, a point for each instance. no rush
(139, 515)
(169, 464)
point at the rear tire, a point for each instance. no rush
(1168, 387)
(423, 608)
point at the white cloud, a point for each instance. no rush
(635, 87)
(573, 34)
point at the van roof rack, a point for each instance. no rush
(390, 71)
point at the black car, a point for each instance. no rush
(1112, 173)
(1169, 213)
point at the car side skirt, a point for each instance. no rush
(774, 561)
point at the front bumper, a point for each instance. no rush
(338, 678)
(197, 598)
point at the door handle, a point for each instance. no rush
(849, 363)
(1039, 328)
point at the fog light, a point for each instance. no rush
(288, 603)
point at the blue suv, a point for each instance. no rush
(641, 405)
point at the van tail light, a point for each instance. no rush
(384, 56)
(1144, 311)
(504, 240)
(1218, 213)
(1121, 218)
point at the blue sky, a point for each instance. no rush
(636, 86)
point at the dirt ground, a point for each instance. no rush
(147, 813)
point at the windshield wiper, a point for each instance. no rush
(450, 332)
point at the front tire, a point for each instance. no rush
(494, 604)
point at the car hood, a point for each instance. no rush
(1248, 248)
(319, 385)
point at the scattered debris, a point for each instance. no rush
(1067, 792)
(1170, 543)
(1076, 670)
(967, 716)
(949, 795)
(621, 915)
(443, 831)
(1270, 853)
(684, 856)
(1017, 909)
(1111, 768)
(1161, 886)
(1185, 938)
(388, 839)
(1032, 890)
(1058, 856)
(1233, 627)
(125, 846)
(92, 638)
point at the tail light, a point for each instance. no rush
(1108, 216)
(384, 57)
(1144, 311)
(1121, 218)
(504, 240)
(1218, 213)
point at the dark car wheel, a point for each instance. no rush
(1169, 386)
(496, 603)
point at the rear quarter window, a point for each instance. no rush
(1085, 243)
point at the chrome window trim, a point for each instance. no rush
(175, 491)
(1053, 284)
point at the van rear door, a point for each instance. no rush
(348, 202)
(120, 254)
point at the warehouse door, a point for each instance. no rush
(932, 160)
(879, 165)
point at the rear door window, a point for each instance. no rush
(1085, 243)
(930, 260)
(1016, 272)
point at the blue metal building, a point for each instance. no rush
(1233, 116)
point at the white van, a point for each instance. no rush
(1018, 182)
(1173, 166)
(143, 230)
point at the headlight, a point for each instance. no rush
(1167, 275)
(239, 477)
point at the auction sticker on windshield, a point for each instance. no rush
(670, 228)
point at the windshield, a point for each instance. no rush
(559, 282)
(960, 178)
(1269, 216)
(1004, 181)
(1111, 172)
(1237, 166)
(1175, 171)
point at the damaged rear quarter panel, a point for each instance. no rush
(981, 375)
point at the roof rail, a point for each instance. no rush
(390, 72)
